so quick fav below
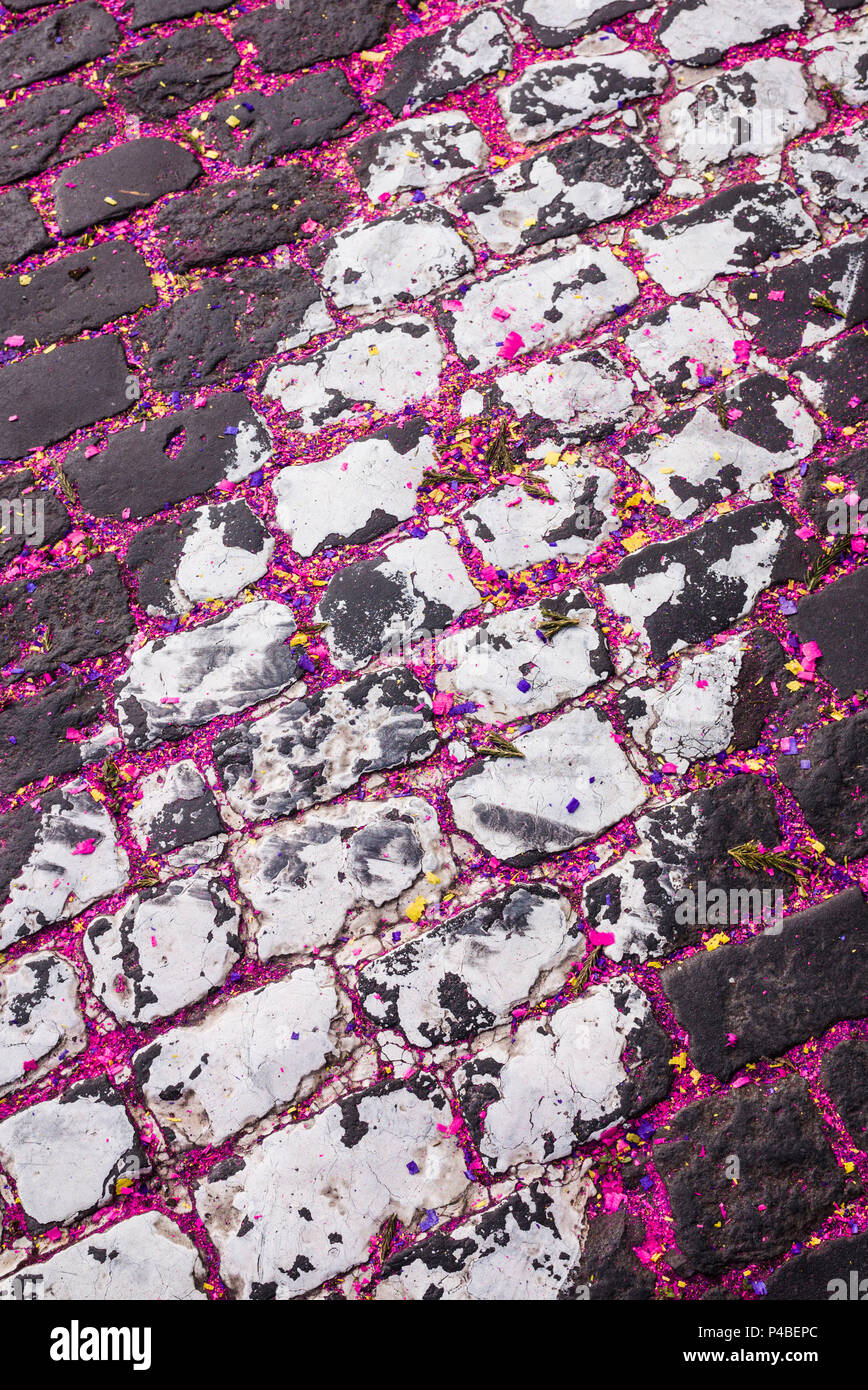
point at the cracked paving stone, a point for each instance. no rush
(556, 24)
(157, 11)
(146, 1257)
(510, 670)
(640, 901)
(834, 171)
(65, 1155)
(428, 153)
(40, 1018)
(383, 605)
(372, 265)
(127, 177)
(22, 230)
(546, 302)
(174, 71)
(510, 536)
(835, 379)
(389, 364)
(33, 129)
(305, 877)
(389, 1157)
(572, 783)
(564, 1078)
(609, 1268)
(830, 790)
(224, 326)
(691, 459)
(296, 34)
(241, 217)
(359, 493)
(36, 516)
(750, 222)
(775, 990)
(320, 745)
(683, 346)
(699, 32)
(584, 395)
(469, 973)
(166, 948)
(84, 290)
(834, 619)
(177, 810)
(209, 552)
(523, 1248)
(66, 39)
(823, 504)
(552, 97)
(780, 309)
(561, 192)
(823, 1272)
(221, 667)
(71, 615)
(49, 395)
(57, 856)
(252, 1053)
(430, 67)
(34, 738)
(253, 126)
(839, 58)
(844, 1076)
(149, 466)
(755, 109)
(788, 1177)
(679, 592)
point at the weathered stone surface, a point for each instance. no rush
(583, 395)
(391, 364)
(834, 170)
(822, 1272)
(348, 869)
(679, 592)
(172, 72)
(30, 517)
(684, 346)
(427, 153)
(356, 495)
(49, 395)
(65, 1155)
(509, 669)
(700, 31)
(565, 1077)
(835, 379)
(694, 458)
(55, 860)
(443, 62)
(561, 192)
(683, 860)
(551, 97)
(388, 1156)
(253, 126)
(166, 948)
(32, 130)
(71, 615)
(844, 1075)
(241, 217)
(312, 749)
(67, 39)
(147, 467)
(470, 972)
(793, 319)
(834, 619)
(156, 11)
(571, 783)
(832, 790)
(522, 1248)
(209, 552)
(839, 58)
(40, 1018)
(84, 290)
(176, 809)
(296, 35)
(555, 25)
(22, 230)
(257, 1051)
(609, 1268)
(788, 1178)
(583, 514)
(93, 191)
(220, 667)
(34, 741)
(548, 301)
(372, 265)
(823, 504)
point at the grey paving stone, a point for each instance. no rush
(34, 741)
(844, 1075)
(79, 614)
(794, 319)
(173, 72)
(832, 618)
(252, 126)
(69, 38)
(683, 346)
(834, 171)
(176, 808)
(22, 230)
(824, 1271)
(84, 290)
(830, 790)
(555, 26)
(31, 517)
(295, 35)
(127, 177)
(551, 97)
(431, 67)
(838, 58)
(580, 395)
(157, 11)
(427, 153)
(33, 130)
(210, 552)
(512, 529)
(609, 1267)
(49, 395)
(835, 379)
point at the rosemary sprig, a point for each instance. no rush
(553, 623)
(822, 301)
(720, 407)
(310, 629)
(500, 747)
(65, 485)
(458, 475)
(585, 973)
(387, 1236)
(110, 774)
(825, 561)
(131, 69)
(533, 488)
(498, 458)
(750, 856)
(147, 880)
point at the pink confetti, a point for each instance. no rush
(511, 346)
(84, 847)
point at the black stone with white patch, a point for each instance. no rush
(253, 126)
(835, 379)
(71, 615)
(580, 17)
(131, 175)
(832, 170)
(22, 230)
(155, 552)
(297, 34)
(822, 1272)
(833, 791)
(48, 395)
(183, 820)
(822, 503)
(33, 130)
(435, 65)
(788, 1177)
(33, 741)
(720, 26)
(834, 618)
(784, 326)
(157, 11)
(774, 990)
(22, 532)
(844, 1076)
(174, 457)
(68, 38)
(241, 217)
(609, 1268)
(175, 71)
(84, 290)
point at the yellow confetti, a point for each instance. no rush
(416, 908)
(714, 941)
(635, 542)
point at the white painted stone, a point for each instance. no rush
(513, 529)
(429, 152)
(840, 58)
(474, 46)
(693, 339)
(176, 807)
(834, 170)
(551, 97)
(40, 1018)
(372, 265)
(689, 721)
(569, 19)
(210, 567)
(703, 30)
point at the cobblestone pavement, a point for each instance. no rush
(434, 737)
